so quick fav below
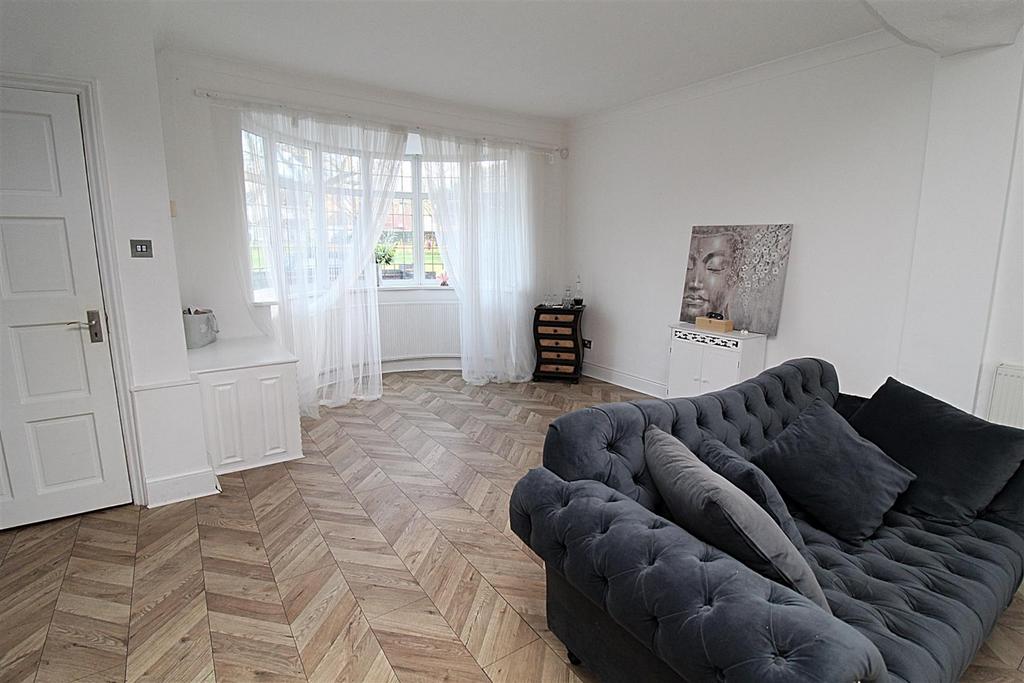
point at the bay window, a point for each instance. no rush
(324, 191)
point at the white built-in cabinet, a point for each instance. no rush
(702, 361)
(250, 402)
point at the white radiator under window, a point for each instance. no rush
(419, 329)
(1006, 406)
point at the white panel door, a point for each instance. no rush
(720, 369)
(61, 450)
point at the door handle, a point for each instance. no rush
(92, 323)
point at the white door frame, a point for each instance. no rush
(106, 254)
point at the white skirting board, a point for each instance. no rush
(422, 363)
(625, 379)
(179, 487)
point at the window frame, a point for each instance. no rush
(272, 185)
(417, 196)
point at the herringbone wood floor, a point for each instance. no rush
(383, 555)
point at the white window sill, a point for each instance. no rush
(442, 291)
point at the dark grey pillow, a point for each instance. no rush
(715, 511)
(841, 479)
(1008, 506)
(748, 477)
(961, 461)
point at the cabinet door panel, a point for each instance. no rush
(684, 369)
(719, 370)
(271, 402)
(223, 421)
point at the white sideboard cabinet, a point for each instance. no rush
(701, 361)
(250, 402)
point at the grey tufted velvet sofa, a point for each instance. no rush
(637, 598)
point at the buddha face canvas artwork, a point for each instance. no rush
(737, 271)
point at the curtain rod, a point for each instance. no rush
(236, 100)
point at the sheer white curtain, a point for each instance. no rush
(316, 195)
(481, 196)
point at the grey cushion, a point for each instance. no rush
(843, 480)
(961, 461)
(1008, 506)
(715, 511)
(749, 478)
(926, 593)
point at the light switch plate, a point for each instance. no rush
(142, 248)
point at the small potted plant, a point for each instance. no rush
(443, 277)
(384, 255)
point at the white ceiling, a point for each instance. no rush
(558, 59)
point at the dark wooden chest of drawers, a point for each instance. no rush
(559, 340)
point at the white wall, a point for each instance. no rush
(832, 141)
(884, 278)
(1004, 342)
(111, 44)
(975, 104)
(202, 229)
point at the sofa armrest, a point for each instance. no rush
(702, 612)
(605, 443)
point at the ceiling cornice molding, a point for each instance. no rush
(851, 48)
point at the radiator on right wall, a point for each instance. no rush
(1006, 405)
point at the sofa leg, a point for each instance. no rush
(573, 659)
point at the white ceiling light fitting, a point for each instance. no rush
(413, 143)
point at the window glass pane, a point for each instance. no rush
(397, 243)
(257, 213)
(295, 203)
(404, 183)
(433, 267)
(342, 188)
(438, 170)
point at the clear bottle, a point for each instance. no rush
(567, 298)
(578, 299)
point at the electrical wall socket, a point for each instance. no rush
(142, 248)
(587, 343)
